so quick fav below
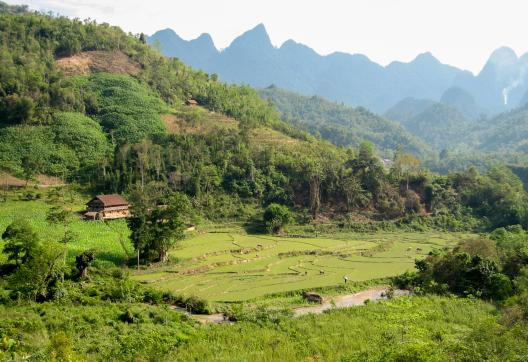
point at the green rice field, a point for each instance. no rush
(233, 267)
(230, 265)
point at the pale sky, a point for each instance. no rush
(458, 32)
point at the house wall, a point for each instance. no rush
(116, 214)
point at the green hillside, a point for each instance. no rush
(442, 127)
(238, 205)
(340, 124)
(408, 108)
(507, 132)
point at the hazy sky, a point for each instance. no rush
(458, 32)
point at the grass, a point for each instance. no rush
(407, 329)
(109, 239)
(226, 267)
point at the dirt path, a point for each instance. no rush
(216, 318)
(350, 300)
(342, 301)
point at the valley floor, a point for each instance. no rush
(233, 266)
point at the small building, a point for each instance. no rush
(191, 102)
(107, 207)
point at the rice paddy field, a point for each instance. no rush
(225, 267)
(230, 265)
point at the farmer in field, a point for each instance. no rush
(345, 278)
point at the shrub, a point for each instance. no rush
(197, 305)
(276, 217)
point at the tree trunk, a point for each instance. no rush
(315, 202)
(163, 256)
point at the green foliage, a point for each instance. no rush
(340, 124)
(126, 109)
(408, 329)
(16, 109)
(57, 215)
(276, 217)
(156, 228)
(83, 136)
(21, 242)
(12, 9)
(29, 150)
(41, 277)
(473, 268)
(84, 261)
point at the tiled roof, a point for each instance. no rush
(111, 200)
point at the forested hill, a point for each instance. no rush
(99, 107)
(444, 127)
(340, 124)
(94, 105)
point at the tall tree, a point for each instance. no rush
(157, 228)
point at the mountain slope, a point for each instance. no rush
(441, 127)
(407, 108)
(501, 83)
(462, 101)
(341, 124)
(507, 132)
(352, 79)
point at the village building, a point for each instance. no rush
(191, 102)
(107, 207)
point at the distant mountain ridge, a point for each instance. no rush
(353, 78)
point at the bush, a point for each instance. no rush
(276, 217)
(197, 305)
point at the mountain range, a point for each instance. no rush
(354, 79)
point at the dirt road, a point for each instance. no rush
(342, 301)
(350, 300)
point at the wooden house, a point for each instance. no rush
(191, 102)
(107, 207)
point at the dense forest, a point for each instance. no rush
(126, 126)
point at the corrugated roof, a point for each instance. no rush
(111, 200)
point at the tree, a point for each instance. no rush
(41, 277)
(21, 242)
(407, 164)
(57, 215)
(16, 109)
(355, 196)
(276, 217)
(83, 261)
(30, 166)
(156, 229)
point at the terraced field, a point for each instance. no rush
(230, 267)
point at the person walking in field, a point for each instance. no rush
(345, 278)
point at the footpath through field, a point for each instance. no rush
(342, 301)
(349, 300)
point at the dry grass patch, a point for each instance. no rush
(85, 63)
(197, 120)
